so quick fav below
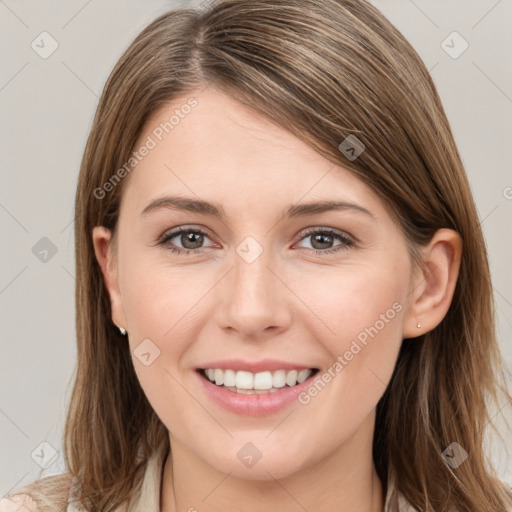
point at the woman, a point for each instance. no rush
(283, 295)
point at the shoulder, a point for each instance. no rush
(19, 503)
(47, 494)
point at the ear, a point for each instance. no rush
(102, 240)
(433, 286)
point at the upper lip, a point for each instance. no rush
(254, 366)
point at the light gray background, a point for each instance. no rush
(47, 108)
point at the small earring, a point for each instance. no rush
(418, 326)
(122, 331)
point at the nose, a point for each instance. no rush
(254, 300)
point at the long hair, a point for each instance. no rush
(324, 70)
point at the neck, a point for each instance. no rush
(344, 481)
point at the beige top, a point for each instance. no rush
(148, 499)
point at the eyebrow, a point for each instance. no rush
(212, 210)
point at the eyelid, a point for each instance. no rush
(346, 240)
(321, 229)
(172, 232)
(165, 238)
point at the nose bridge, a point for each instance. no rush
(253, 296)
(253, 279)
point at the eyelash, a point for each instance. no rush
(346, 241)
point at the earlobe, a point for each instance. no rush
(433, 287)
(102, 248)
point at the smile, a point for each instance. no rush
(264, 382)
(237, 391)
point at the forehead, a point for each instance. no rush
(208, 144)
(209, 122)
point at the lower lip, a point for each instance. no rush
(256, 404)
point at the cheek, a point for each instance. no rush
(348, 301)
(361, 312)
(163, 301)
(165, 311)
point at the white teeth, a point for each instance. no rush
(291, 378)
(256, 383)
(262, 380)
(253, 391)
(303, 375)
(244, 380)
(219, 377)
(229, 378)
(279, 379)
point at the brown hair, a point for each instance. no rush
(323, 69)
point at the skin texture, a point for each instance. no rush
(289, 304)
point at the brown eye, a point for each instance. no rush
(191, 240)
(322, 240)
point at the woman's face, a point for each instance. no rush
(269, 284)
